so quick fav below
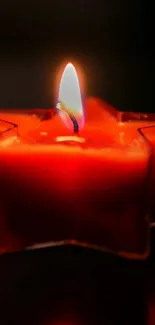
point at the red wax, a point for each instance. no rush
(92, 193)
(149, 133)
(146, 123)
(25, 122)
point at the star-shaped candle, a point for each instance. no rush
(79, 176)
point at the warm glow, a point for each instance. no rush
(70, 138)
(8, 141)
(69, 103)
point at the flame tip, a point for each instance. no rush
(69, 64)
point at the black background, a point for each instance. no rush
(112, 42)
(109, 39)
(72, 286)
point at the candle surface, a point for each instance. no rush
(25, 121)
(149, 133)
(93, 193)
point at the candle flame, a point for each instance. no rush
(69, 103)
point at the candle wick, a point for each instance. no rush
(62, 107)
(75, 123)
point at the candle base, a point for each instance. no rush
(93, 247)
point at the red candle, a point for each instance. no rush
(87, 188)
(149, 133)
(145, 122)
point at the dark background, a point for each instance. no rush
(72, 286)
(112, 42)
(109, 39)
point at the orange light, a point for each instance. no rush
(8, 141)
(70, 138)
(69, 103)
